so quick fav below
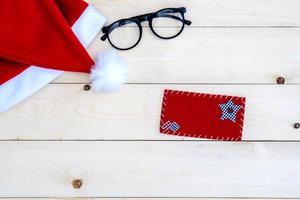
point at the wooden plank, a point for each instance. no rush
(67, 112)
(47, 198)
(255, 55)
(150, 169)
(211, 13)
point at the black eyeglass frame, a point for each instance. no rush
(146, 17)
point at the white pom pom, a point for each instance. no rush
(109, 73)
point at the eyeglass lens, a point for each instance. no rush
(125, 36)
(168, 24)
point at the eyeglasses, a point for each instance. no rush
(166, 24)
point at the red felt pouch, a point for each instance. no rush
(201, 115)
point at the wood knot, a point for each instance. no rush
(86, 87)
(280, 80)
(77, 183)
(297, 125)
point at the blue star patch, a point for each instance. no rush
(229, 110)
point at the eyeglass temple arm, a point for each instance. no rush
(105, 31)
(187, 22)
(104, 37)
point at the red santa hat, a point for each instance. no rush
(41, 39)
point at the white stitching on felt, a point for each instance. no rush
(164, 131)
(163, 110)
(242, 118)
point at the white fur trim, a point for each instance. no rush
(109, 73)
(34, 78)
(88, 25)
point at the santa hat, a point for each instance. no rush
(41, 39)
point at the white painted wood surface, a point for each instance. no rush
(233, 47)
(150, 169)
(211, 55)
(87, 198)
(212, 13)
(134, 113)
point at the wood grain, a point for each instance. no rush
(67, 112)
(255, 55)
(211, 13)
(94, 198)
(150, 169)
